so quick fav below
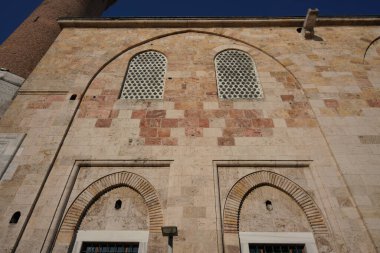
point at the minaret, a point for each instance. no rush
(25, 47)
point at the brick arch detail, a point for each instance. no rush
(88, 196)
(254, 180)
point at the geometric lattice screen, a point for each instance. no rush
(237, 76)
(145, 76)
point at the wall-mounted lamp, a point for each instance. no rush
(268, 205)
(170, 231)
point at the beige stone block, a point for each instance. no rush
(279, 123)
(362, 200)
(194, 212)
(168, 105)
(317, 103)
(197, 141)
(178, 74)
(174, 114)
(370, 180)
(125, 114)
(375, 149)
(217, 123)
(212, 132)
(244, 105)
(177, 132)
(373, 223)
(210, 105)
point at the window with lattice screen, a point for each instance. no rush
(237, 76)
(145, 76)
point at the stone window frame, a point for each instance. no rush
(128, 71)
(254, 70)
(306, 238)
(140, 237)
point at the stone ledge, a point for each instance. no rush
(42, 92)
(263, 163)
(212, 22)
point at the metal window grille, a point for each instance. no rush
(145, 76)
(277, 248)
(109, 247)
(237, 76)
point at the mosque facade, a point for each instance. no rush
(239, 132)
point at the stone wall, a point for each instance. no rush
(132, 215)
(286, 215)
(24, 48)
(320, 104)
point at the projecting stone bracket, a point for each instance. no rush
(309, 24)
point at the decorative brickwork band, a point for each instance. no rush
(248, 183)
(87, 197)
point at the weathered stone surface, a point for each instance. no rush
(286, 215)
(102, 215)
(320, 101)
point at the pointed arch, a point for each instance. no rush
(157, 37)
(88, 196)
(372, 43)
(254, 180)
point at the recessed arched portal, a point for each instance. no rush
(254, 180)
(94, 191)
(250, 183)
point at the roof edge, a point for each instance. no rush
(209, 22)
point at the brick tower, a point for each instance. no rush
(23, 49)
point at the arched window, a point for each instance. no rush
(237, 76)
(145, 76)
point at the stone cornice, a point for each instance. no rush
(212, 22)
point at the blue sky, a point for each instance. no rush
(15, 11)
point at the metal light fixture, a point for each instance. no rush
(169, 231)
